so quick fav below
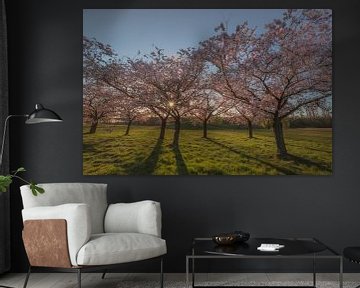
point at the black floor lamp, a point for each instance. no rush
(39, 115)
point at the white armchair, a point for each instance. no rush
(72, 228)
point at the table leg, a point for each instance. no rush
(193, 267)
(187, 272)
(341, 273)
(314, 271)
(193, 272)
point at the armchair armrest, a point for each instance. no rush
(138, 217)
(78, 225)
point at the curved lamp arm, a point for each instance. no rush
(4, 134)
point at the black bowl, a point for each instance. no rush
(241, 236)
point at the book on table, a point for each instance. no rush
(270, 247)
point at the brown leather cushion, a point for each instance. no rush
(45, 243)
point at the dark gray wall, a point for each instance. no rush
(45, 39)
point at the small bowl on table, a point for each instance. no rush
(231, 238)
(225, 239)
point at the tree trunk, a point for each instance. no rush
(128, 127)
(93, 127)
(279, 138)
(250, 128)
(176, 132)
(205, 129)
(163, 128)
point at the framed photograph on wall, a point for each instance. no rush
(207, 92)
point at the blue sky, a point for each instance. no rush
(131, 30)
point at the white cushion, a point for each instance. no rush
(138, 217)
(113, 248)
(62, 193)
(77, 218)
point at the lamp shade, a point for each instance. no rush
(42, 115)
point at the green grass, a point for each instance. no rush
(225, 152)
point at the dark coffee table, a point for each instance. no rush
(295, 248)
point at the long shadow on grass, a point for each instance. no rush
(89, 148)
(96, 146)
(313, 149)
(180, 163)
(280, 169)
(307, 162)
(148, 166)
(294, 145)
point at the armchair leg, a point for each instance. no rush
(27, 277)
(161, 273)
(79, 277)
(103, 275)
